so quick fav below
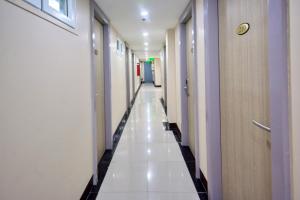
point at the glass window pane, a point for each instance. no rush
(59, 5)
(63, 10)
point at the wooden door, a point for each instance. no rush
(100, 118)
(246, 148)
(189, 53)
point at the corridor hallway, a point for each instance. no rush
(149, 100)
(147, 163)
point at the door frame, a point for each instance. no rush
(133, 73)
(279, 101)
(127, 74)
(98, 14)
(189, 14)
(165, 79)
(279, 98)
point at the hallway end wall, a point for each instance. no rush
(295, 94)
(45, 110)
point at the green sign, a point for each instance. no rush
(151, 59)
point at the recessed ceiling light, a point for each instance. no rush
(145, 34)
(144, 13)
(146, 43)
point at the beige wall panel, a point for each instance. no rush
(162, 71)
(244, 84)
(45, 110)
(178, 74)
(157, 72)
(171, 75)
(118, 80)
(130, 74)
(201, 86)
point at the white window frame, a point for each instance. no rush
(69, 19)
(36, 3)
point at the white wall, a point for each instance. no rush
(178, 78)
(295, 94)
(45, 110)
(133, 78)
(157, 72)
(171, 76)
(162, 71)
(118, 80)
(130, 73)
(142, 67)
(201, 86)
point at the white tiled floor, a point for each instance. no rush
(147, 164)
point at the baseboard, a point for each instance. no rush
(135, 94)
(162, 101)
(200, 184)
(91, 191)
(87, 190)
(174, 127)
(203, 180)
(157, 85)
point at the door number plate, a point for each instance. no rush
(243, 28)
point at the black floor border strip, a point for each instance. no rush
(91, 191)
(200, 184)
(162, 101)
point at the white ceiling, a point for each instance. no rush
(125, 16)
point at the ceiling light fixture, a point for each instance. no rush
(146, 43)
(144, 13)
(145, 34)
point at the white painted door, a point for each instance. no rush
(189, 53)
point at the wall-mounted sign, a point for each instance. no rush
(120, 47)
(243, 28)
(151, 59)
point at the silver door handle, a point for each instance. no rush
(186, 90)
(261, 126)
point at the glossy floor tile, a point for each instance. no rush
(148, 163)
